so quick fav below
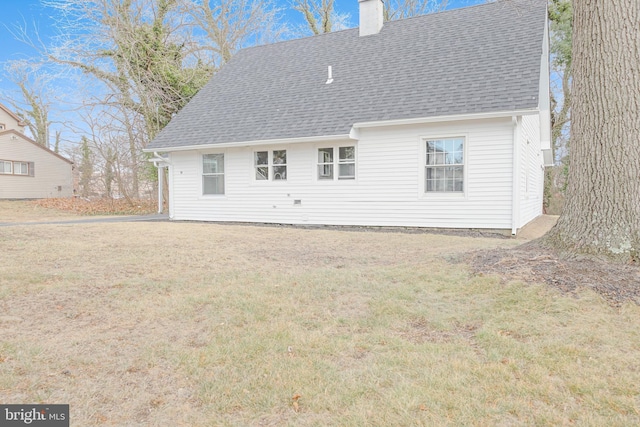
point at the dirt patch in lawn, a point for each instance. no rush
(531, 262)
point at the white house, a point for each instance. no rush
(440, 120)
(27, 169)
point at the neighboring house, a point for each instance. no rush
(29, 170)
(440, 120)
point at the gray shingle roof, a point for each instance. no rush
(473, 60)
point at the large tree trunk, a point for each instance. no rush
(602, 211)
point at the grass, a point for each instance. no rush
(206, 324)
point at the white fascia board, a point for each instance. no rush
(450, 118)
(344, 137)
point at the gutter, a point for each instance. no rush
(157, 159)
(449, 118)
(342, 137)
(353, 133)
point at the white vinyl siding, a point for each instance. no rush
(531, 170)
(389, 189)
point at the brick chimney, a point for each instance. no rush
(371, 17)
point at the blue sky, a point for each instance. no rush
(31, 14)
(34, 15)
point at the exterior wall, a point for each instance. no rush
(388, 189)
(531, 170)
(52, 174)
(8, 121)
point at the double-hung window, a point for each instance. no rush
(341, 158)
(212, 174)
(444, 169)
(6, 167)
(270, 165)
(20, 168)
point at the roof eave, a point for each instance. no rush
(324, 138)
(351, 135)
(447, 118)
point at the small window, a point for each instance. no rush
(213, 174)
(1, 126)
(270, 165)
(444, 165)
(346, 162)
(325, 163)
(20, 168)
(280, 165)
(6, 167)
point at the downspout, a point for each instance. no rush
(160, 163)
(515, 202)
(160, 187)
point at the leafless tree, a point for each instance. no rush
(317, 14)
(148, 58)
(34, 102)
(401, 9)
(230, 25)
(321, 17)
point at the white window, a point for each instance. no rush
(270, 165)
(444, 171)
(20, 168)
(5, 167)
(325, 163)
(342, 158)
(212, 174)
(1, 126)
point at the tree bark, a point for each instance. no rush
(602, 211)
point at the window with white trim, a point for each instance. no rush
(270, 165)
(212, 174)
(2, 126)
(444, 169)
(341, 158)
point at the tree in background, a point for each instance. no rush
(321, 17)
(602, 211)
(317, 14)
(143, 60)
(560, 16)
(401, 9)
(86, 168)
(229, 25)
(34, 103)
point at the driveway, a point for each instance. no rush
(128, 218)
